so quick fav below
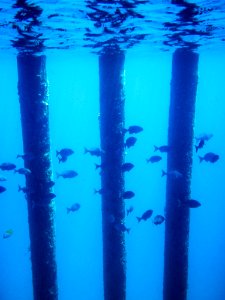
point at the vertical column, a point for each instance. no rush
(111, 71)
(180, 140)
(32, 88)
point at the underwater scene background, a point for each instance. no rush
(74, 122)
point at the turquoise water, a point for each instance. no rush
(74, 123)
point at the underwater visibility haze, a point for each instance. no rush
(112, 155)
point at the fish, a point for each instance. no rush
(173, 173)
(23, 189)
(2, 178)
(63, 154)
(7, 166)
(209, 157)
(129, 210)
(128, 195)
(23, 171)
(126, 167)
(94, 151)
(50, 196)
(121, 227)
(7, 234)
(50, 183)
(100, 191)
(154, 159)
(204, 137)
(200, 145)
(163, 148)
(192, 203)
(134, 129)
(74, 207)
(67, 174)
(146, 215)
(130, 142)
(2, 189)
(26, 156)
(158, 220)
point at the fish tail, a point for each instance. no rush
(57, 175)
(18, 156)
(97, 166)
(128, 230)
(124, 130)
(200, 159)
(163, 173)
(156, 148)
(19, 188)
(96, 191)
(59, 159)
(15, 171)
(196, 149)
(68, 210)
(139, 219)
(57, 153)
(85, 150)
(147, 160)
(127, 212)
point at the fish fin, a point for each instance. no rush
(128, 230)
(156, 148)
(139, 219)
(196, 149)
(200, 159)
(163, 173)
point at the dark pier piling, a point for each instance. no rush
(33, 96)
(180, 139)
(111, 71)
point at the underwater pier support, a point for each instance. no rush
(180, 140)
(33, 97)
(111, 72)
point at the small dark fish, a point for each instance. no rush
(7, 234)
(50, 196)
(121, 227)
(73, 208)
(174, 174)
(204, 137)
(63, 154)
(126, 167)
(146, 215)
(100, 191)
(50, 183)
(162, 148)
(154, 159)
(209, 157)
(128, 195)
(200, 145)
(130, 142)
(129, 210)
(7, 166)
(26, 156)
(23, 189)
(158, 220)
(94, 151)
(2, 189)
(23, 171)
(67, 174)
(99, 166)
(192, 203)
(134, 129)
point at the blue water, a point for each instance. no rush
(74, 110)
